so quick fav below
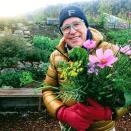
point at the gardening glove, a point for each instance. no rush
(94, 111)
(69, 116)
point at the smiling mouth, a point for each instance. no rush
(74, 38)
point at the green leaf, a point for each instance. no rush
(127, 95)
(78, 54)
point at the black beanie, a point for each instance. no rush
(71, 11)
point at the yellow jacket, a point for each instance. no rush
(53, 79)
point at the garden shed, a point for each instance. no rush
(52, 21)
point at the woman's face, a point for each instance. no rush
(74, 31)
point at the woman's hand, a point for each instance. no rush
(94, 111)
(70, 116)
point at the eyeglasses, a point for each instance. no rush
(76, 25)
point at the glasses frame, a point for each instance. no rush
(71, 26)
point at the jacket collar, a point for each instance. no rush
(61, 47)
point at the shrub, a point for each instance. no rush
(41, 42)
(25, 78)
(32, 54)
(45, 54)
(11, 50)
(45, 46)
(45, 42)
(10, 78)
(100, 21)
(38, 73)
(15, 78)
(119, 36)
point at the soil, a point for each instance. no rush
(41, 121)
(28, 121)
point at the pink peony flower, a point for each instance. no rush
(103, 58)
(89, 44)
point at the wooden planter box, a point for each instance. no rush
(20, 98)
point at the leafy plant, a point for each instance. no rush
(32, 54)
(119, 36)
(25, 78)
(10, 78)
(41, 42)
(45, 46)
(11, 50)
(45, 42)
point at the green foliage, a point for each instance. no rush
(119, 36)
(38, 73)
(25, 78)
(44, 43)
(11, 50)
(105, 6)
(44, 55)
(20, 78)
(101, 21)
(78, 54)
(17, 78)
(55, 42)
(31, 54)
(45, 46)
(128, 97)
(10, 78)
(124, 82)
(41, 42)
(14, 49)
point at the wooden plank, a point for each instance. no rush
(20, 92)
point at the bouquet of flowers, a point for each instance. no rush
(101, 75)
(104, 77)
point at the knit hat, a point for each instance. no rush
(71, 11)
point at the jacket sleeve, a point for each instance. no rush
(51, 102)
(50, 99)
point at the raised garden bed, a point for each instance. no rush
(20, 98)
